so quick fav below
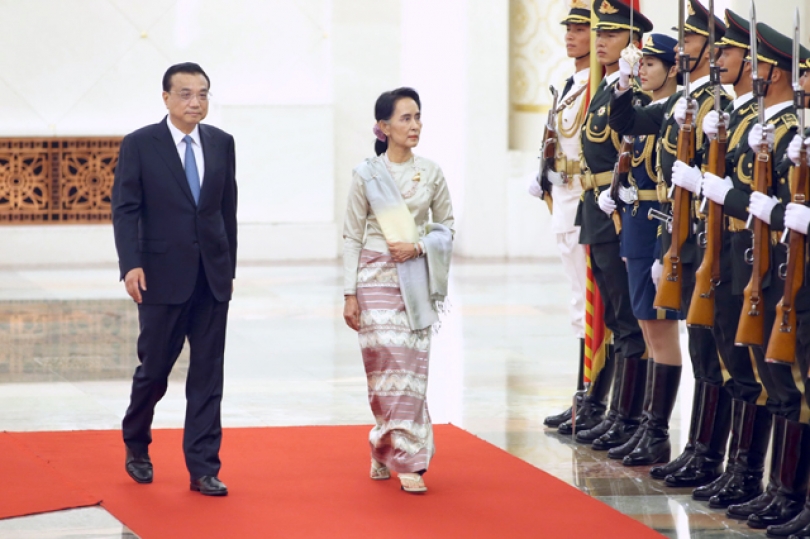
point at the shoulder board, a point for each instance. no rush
(700, 92)
(788, 119)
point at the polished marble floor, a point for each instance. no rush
(504, 359)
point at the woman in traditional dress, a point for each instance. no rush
(396, 261)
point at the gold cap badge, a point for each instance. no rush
(607, 8)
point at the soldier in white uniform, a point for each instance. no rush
(564, 186)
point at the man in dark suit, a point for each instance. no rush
(174, 217)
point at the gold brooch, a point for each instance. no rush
(417, 176)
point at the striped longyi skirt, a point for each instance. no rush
(396, 363)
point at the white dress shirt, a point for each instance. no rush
(180, 144)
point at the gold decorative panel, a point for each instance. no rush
(57, 180)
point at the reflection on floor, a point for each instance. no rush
(504, 359)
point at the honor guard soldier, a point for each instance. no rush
(562, 182)
(639, 240)
(797, 220)
(751, 420)
(600, 152)
(759, 165)
(710, 403)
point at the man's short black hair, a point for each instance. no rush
(186, 67)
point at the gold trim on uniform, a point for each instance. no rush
(607, 8)
(646, 153)
(695, 30)
(730, 42)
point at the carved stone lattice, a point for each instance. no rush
(56, 180)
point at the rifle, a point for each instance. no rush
(668, 295)
(782, 345)
(707, 277)
(549, 149)
(751, 331)
(621, 171)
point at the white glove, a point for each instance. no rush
(627, 194)
(755, 136)
(716, 188)
(606, 203)
(655, 272)
(761, 206)
(680, 110)
(711, 121)
(686, 177)
(625, 72)
(797, 217)
(554, 178)
(534, 187)
(795, 147)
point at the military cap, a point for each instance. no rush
(615, 15)
(661, 46)
(698, 21)
(775, 48)
(580, 13)
(738, 33)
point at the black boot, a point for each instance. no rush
(623, 450)
(705, 492)
(558, 419)
(587, 436)
(629, 403)
(710, 446)
(661, 472)
(654, 447)
(592, 411)
(747, 463)
(789, 499)
(743, 510)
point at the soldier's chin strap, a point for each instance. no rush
(768, 80)
(583, 56)
(700, 56)
(739, 73)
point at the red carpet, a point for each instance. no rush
(312, 482)
(32, 486)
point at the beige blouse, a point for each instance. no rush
(362, 231)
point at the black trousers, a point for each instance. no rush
(610, 274)
(703, 351)
(163, 330)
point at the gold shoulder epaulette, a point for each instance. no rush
(783, 124)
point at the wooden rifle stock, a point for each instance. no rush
(751, 331)
(621, 171)
(668, 295)
(782, 344)
(707, 277)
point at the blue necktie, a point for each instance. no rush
(192, 175)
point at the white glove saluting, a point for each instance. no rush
(686, 177)
(761, 206)
(795, 147)
(755, 136)
(711, 122)
(797, 218)
(606, 203)
(716, 188)
(681, 108)
(628, 65)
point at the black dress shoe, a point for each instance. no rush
(619, 434)
(781, 510)
(139, 466)
(792, 527)
(588, 436)
(209, 485)
(705, 493)
(742, 511)
(558, 419)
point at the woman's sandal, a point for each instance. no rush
(412, 482)
(379, 472)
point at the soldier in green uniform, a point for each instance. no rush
(751, 420)
(712, 401)
(600, 145)
(782, 499)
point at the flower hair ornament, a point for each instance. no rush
(379, 134)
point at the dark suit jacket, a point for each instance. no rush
(157, 225)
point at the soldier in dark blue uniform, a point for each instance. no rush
(711, 402)
(639, 237)
(600, 145)
(783, 498)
